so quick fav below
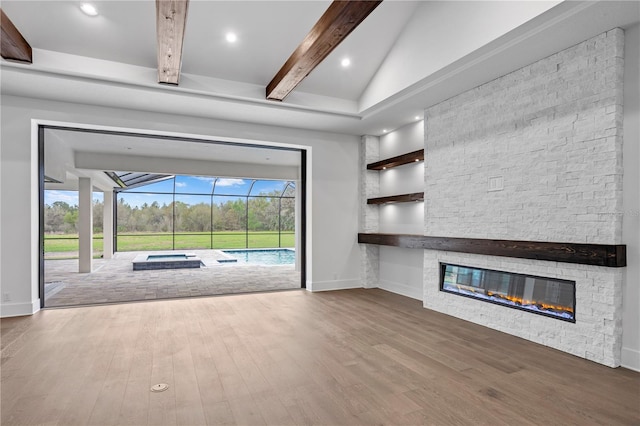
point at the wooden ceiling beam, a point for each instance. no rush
(332, 28)
(13, 46)
(171, 20)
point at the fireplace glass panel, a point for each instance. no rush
(545, 296)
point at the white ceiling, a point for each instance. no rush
(422, 51)
(268, 32)
(110, 60)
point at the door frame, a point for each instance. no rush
(42, 126)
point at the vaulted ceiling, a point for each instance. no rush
(405, 56)
(267, 31)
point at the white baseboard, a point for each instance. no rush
(334, 285)
(401, 289)
(630, 359)
(19, 309)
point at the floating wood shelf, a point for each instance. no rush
(389, 163)
(404, 198)
(613, 256)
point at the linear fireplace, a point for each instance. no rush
(551, 297)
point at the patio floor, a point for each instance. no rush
(114, 280)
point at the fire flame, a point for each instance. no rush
(532, 302)
(522, 301)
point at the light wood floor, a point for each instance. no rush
(345, 357)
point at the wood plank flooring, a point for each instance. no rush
(292, 358)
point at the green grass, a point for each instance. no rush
(68, 243)
(164, 241)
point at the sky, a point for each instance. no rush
(184, 184)
(69, 197)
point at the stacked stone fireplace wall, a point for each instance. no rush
(552, 133)
(369, 214)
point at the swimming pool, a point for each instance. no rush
(264, 256)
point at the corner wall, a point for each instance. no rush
(395, 269)
(332, 202)
(553, 132)
(401, 268)
(631, 200)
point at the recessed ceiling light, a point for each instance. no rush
(417, 117)
(231, 37)
(345, 62)
(384, 130)
(89, 9)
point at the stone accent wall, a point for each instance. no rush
(597, 333)
(369, 214)
(553, 132)
(369, 266)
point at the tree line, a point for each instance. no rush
(62, 218)
(231, 215)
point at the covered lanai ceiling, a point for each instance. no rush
(70, 154)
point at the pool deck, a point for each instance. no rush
(113, 280)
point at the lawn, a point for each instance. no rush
(165, 241)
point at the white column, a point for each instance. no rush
(107, 225)
(85, 224)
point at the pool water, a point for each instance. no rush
(264, 257)
(166, 256)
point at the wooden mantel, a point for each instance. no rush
(614, 256)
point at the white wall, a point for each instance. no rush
(631, 195)
(440, 33)
(59, 160)
(333, 201)
(401, 268)
(18, 264)
(407, 178)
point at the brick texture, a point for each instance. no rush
(553, 131)
(369, 214)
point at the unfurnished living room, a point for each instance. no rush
(320, 212)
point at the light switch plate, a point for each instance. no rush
(496, 183)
